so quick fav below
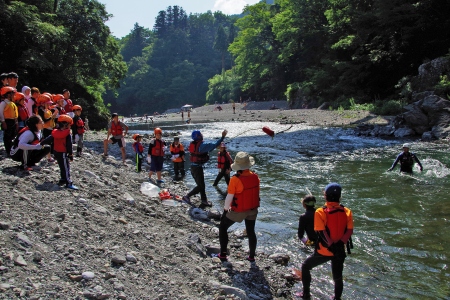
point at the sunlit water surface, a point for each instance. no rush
(401, 238)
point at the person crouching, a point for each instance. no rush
(62, 146)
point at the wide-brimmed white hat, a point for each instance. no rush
(242, 161)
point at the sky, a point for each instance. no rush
(128, 12)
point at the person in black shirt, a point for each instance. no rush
(406, 160)
(306, 221)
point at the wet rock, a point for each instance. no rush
(280, 258)
(194, 243)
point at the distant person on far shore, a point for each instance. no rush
(117, 130)
(234, 107)
(406, 160)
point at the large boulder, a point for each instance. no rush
(430, 114)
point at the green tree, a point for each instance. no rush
(221, 44)
(135, 42)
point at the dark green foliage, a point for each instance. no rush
(70, 48)
(174, 68)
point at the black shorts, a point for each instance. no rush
(121, 141)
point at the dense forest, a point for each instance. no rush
(343, 52)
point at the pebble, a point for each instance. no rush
(88, 275)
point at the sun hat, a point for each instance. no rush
(333, 192)
(406, 145)
(242, 161)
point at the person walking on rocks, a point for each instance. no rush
(241, 203)
(177, 151)
(199, 156)
(117, 130)
(224, 162)
(406, 160)
(333, 224)
(155, 155)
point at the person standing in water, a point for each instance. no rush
(306, 221)
(406, 160)
(333, 224)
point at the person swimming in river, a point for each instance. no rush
(406, 160)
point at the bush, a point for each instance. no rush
(388, 108)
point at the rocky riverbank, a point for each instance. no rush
(110, 241)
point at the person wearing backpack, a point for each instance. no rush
(29, 147)
(333, 224)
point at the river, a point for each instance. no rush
(401, 238)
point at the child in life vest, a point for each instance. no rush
(48, 115)
(156, 155)
(177, 151)
(306, 221)
(78, 129)
(224, 162)
(139, 150)
(23, 115)
(62, 146)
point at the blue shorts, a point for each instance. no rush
(157, 163)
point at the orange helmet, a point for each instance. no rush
(43, 98)
(18, 97)
(57, 97)
(65, 118)
(7, 89)
(76, 107)
(158, 130)
(136, 136)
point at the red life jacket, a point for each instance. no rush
(222, 158)
(80, 126)
(336, 222)
(157, 148)
(60, 139)
(249, 198)
(21, 131)
(116, 129)
(69, 105)
(23, 113)
(197, 157)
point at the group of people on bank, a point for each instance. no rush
(37, 125)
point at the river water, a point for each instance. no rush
(401, 237)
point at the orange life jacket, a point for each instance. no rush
(197, 157)
(116, 129)
(249, 198)
(222, 158)
(177, 149)
(10, 111)
(336, 222)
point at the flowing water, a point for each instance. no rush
(401, 237)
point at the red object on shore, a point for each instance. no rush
(268, 131)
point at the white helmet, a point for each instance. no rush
(406, 145)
